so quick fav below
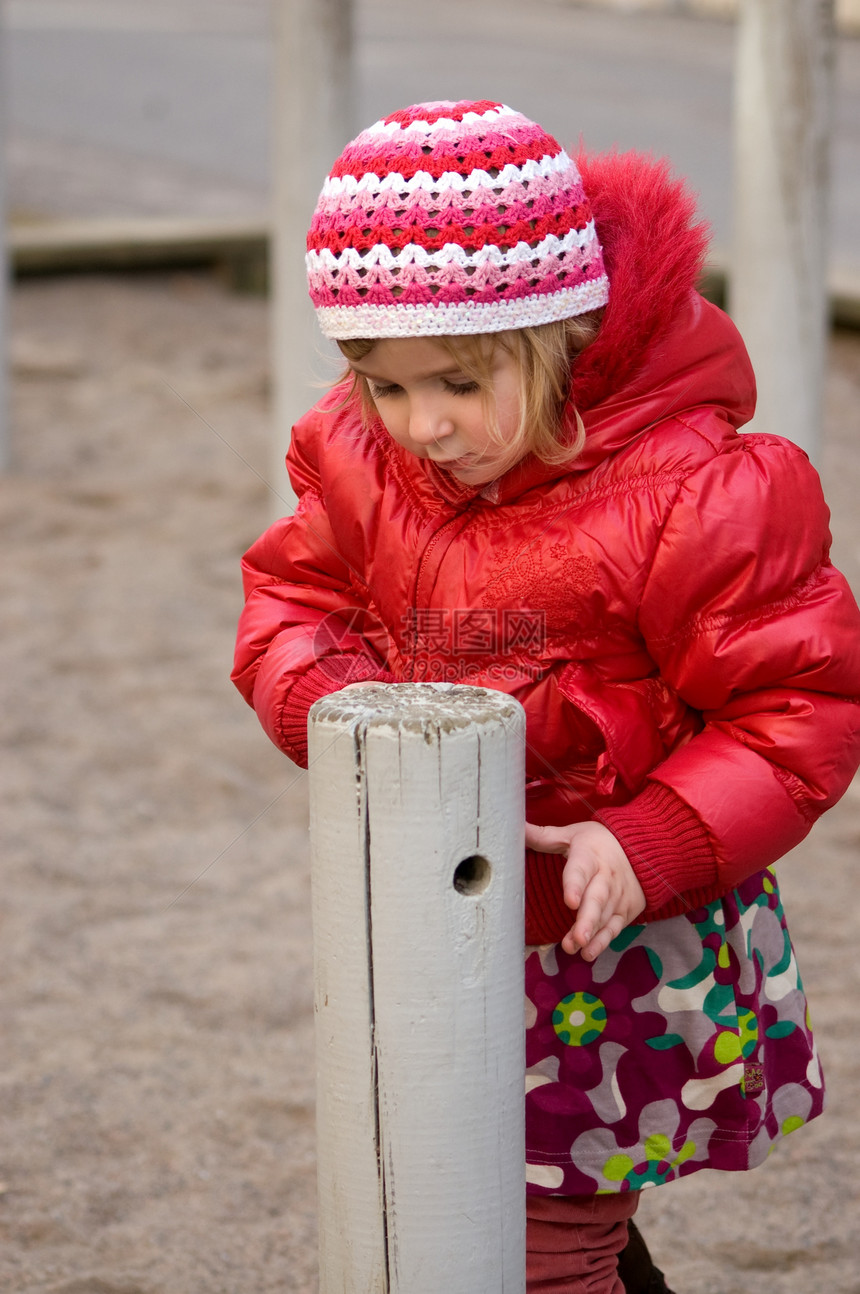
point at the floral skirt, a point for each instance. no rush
(685, 1045)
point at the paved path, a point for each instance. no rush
(160, 106)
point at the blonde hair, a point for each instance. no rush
(544, 355)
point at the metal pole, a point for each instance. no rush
(778, 274)
(417, 825)
(313, 118)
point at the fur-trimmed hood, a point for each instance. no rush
(661, 348)
(654, 248)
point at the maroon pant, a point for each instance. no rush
(573, 1242)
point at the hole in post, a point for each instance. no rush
(472, 876)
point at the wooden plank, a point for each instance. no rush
(122, 243)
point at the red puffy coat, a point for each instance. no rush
(664, 607)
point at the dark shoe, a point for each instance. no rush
(635, 1268)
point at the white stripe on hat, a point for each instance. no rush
(324, 260)
(423, 127)
(338, 186)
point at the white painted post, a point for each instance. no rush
(312, 122)
(777, 277)
(417, 826)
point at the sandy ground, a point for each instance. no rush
(157, 1074)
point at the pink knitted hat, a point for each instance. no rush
(452, 218)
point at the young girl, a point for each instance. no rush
(531, 478)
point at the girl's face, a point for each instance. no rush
(434, 410)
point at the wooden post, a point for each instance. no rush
(417, 824)
(778, 274)
(313, 120)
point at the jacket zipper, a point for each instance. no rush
(422, 577)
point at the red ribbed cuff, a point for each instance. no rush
(331, 674)
(666, 843)
(548, 918)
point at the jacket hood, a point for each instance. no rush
(654, 249)
(661, 347)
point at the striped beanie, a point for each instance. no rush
(450, 218)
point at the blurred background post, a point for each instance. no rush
(313, 97)
(778, 289)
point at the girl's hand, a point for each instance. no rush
(600, 886)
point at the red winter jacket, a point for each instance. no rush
(663, 607)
